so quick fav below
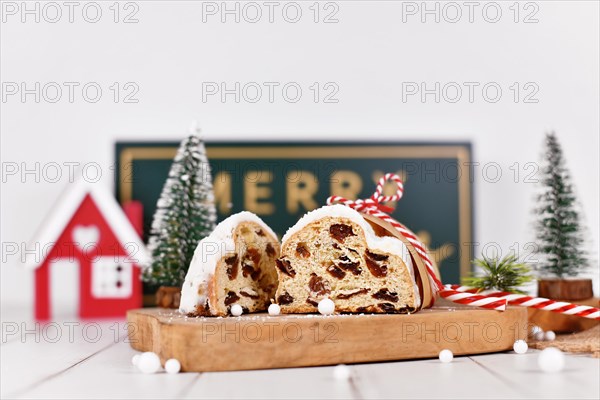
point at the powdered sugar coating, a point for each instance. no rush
(208, 252)
(386, 244)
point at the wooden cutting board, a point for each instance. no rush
(259, 341)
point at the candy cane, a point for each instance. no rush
(540, 303)
(373, 206)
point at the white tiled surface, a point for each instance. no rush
(93, 361)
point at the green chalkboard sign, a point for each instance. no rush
(282, 181)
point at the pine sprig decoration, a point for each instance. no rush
(505, 274)
(559, 233)
(185, 214)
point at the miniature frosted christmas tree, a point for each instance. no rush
(558, 228)
(185, 214)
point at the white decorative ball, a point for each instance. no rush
(149, 363)
(446, 356)
(274, 309)
(551, 360)
(135, 359)
(520, 347)
(172, 366)
(236, 310)
(342, 372)
(534, 329)
(540, 336)
(326, 306)
(550, 336)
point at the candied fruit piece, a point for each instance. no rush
(336, 272)
(270, 250)
(378, 270)
(340, 232)
(232, 266)
(286, 267)
(312, 302)
(231, 298)
(247, 269)
(353, 267)
(318, 285)
(285, 298)
(302, 251)
(377, 257)
(385, 294)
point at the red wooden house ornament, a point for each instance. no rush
(89, 227)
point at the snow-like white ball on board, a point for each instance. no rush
(549, 336)
(236, 310)
(520, 347)
(551, 360)
(172, 366)
(135, 359)
(274, 309)
(326, 307)
(342, 372)
(446, 356)
(149, 363)
(534, 329)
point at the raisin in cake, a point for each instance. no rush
(233, 265)
(334, 252)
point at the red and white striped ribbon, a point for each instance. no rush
(472, 299)
(540, 303)
(373, 206)
(376, 199)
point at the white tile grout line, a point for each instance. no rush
(183, 392)
(356, 380)
(23, 391)
(519, 384)
(500, 377)
(353, 385)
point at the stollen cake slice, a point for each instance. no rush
(333, 252)
(233, 265)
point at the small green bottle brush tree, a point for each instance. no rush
(185, 214)
(559, 233)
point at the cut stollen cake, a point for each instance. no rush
(233, 265)
(333, 252)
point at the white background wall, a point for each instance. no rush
(369, 53)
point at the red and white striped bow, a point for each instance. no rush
(376, 200)
(373, 206)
